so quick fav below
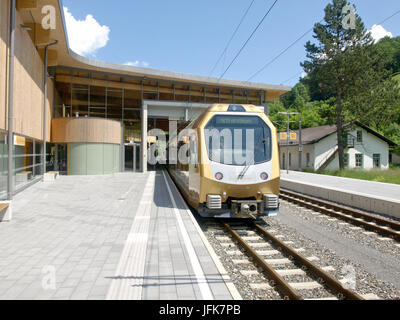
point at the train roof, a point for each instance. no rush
(234, 108)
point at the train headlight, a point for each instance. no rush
(264, 176)
(219, 176)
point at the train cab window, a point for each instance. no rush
(233, 139)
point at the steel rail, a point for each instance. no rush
(328, 280)
(352, 216)
(356, 213)
(281, 283)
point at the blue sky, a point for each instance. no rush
(188, 36)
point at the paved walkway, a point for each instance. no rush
(80, 238)
(370, 188)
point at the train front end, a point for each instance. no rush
(239, 167)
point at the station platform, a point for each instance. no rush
(376, 197)
(125, 236)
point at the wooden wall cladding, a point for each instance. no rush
(96, 130)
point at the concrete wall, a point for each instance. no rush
(28, 81)
(323, 150)
(93, 158)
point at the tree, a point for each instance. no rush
(297, 97)
(390, 49)
(346, 66)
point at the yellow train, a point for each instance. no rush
(233, 170)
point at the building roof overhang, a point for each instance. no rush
(67, 58)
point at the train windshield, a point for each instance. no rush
(238, 140)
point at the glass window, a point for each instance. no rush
(346, 159)
(27, 161)
(38, 168)
(377, 160)
(359, 136)
(359, 160)
(80, 100)
(97, 108)
(114, 104)
(63, 98)
(3, 165)
(228, 136)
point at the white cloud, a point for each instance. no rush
(85, 36)
(378, 32)
(137, 63)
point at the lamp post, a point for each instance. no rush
(300, 146)
(288, 136)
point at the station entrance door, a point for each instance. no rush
(132, 157)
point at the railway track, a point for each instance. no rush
(382, 226)
(287, 262)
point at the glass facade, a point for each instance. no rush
(83, 94)
(93, 158)
(27, 155)
(3, 165)
(79, 93)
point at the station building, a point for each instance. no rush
(78, 116)
(364, 149)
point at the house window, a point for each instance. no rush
(359, 160)
(377, 160)
(346, 159)
(308, 159)
(359, 136)
(345, 139)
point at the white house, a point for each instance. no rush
(364, 148)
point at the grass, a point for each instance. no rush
(388, 176)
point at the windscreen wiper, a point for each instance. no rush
(245, 169)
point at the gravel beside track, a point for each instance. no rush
(364, 282)
(376, 241)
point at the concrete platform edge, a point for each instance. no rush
(228, 282)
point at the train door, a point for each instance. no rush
(194, 171)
